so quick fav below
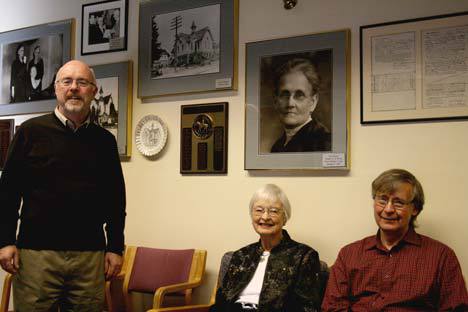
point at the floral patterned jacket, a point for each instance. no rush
(290, 283)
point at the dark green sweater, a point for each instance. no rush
(71, 184)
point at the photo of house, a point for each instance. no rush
(185, 43)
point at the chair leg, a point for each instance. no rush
(108, 296)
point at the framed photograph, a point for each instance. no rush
(415, 70)
(297, 102)
(29, 60)
(187, 46)
(104, 27)
(112, 106)
(203, 138)
(6, 135)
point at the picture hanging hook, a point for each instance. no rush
(289, 4)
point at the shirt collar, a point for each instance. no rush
(411, 237)
(68, 123)
(285, 240)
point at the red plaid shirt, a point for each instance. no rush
(419, 274)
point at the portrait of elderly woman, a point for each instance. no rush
(296, 103)
(276, 273)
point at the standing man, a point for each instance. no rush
(296, 97)
(397, 269)
(66, 172)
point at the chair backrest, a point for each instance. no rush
(225, 260)
(323, 278)
(153, 268)
(150, 270)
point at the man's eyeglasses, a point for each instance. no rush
(273, 212)
(383, 200)
(82, 83)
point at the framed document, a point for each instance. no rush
(415, 69)
(203, 138)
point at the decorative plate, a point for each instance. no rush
(150, 135)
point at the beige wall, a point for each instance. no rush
(168, 210)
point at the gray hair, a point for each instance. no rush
(272, 192)
(304, 66)
(388, 181)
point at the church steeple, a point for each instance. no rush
(193, 27)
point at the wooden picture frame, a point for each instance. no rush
(323, 139)
(104, 27)
(187, 46)
(414, 70)
(30, 59)
(115, 79)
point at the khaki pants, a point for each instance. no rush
(70, 280)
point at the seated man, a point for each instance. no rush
(397, 269)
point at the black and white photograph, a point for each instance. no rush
(112, 105)
(29, 69)
(185, 43)
(104, 107)
(295, 102)
(104, 27)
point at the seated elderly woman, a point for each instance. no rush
(276, 273)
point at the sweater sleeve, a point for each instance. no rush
(10, 190)
(115, 187)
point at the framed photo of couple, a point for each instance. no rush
(104, 27)
(29, 60)
(297, 102)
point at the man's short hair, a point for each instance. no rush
(388, 182)
(305, 66)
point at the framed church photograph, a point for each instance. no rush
(187, 46)
(112, 105)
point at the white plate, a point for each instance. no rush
(150, 135)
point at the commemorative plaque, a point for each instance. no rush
(6, 134)
(203, 138)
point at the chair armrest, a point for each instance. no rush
(108, 293)
(189, 308)
(6, 293)
(162, 291)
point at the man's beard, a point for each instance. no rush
(75, 108)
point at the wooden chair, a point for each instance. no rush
(204, 307)
(162, 272)
(6, 293)
(322, 276)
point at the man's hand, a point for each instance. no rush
(112, 265)
(9, 259)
